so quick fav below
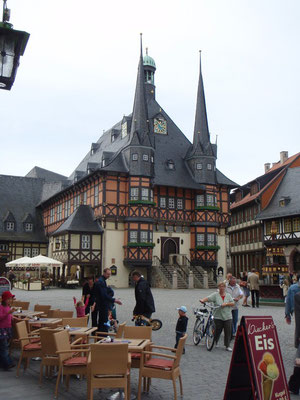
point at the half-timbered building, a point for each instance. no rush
(143, 197)
(261, 209)
(160, 200)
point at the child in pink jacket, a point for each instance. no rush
(6, 330)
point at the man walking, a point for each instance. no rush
(143, 296)
(236, 293)
(253, 281)
(103, 300)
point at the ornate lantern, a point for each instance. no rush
(12, 46)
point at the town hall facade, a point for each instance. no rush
(144, 197)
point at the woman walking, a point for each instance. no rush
(223, 315)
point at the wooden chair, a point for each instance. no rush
(78, 322)
(162, 366)
(137, 332)
(42, 307)
(48, 353)
(51, 313)
(63, 314)
(70, 363)
(23, 304)
(29, 347)
(109, 368)
(118, 334)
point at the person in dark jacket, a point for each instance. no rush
(294, 381)
(103, 300)
(143, 296)
(88, 293)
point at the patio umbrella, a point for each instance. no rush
(19, 262)
(42, 261)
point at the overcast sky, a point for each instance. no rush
(78, 74)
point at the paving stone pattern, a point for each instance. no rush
(204, 373)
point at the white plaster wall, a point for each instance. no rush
(222, 251)
(113, 242)
(183, 248)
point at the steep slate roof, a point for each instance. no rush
(173, 146)
(263, 181)
(19, 197)
(288, 188)
(42, 173)
(81, 220)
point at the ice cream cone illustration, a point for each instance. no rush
(269, 373)
(267, 387)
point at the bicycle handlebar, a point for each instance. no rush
(208, 305)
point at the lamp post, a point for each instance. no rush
(12, 46)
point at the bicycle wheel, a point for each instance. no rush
(156, 324)
(210, 335)
(198, 331)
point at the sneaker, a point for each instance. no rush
(228, 349)
(216, 345)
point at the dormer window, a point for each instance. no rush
(209, 167)
(103, 163)
(284, 201)
(134, 157)
(145, 157)
(28, 227)
(170, 164)
(10, 226)
(124, 129)
(199, 166)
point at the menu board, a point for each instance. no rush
(4, 285)
(256, 369)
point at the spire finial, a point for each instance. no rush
(141, 39)
(147, 50)
(200, 51)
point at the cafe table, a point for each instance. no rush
(45, 322)
(27, 314)
(80, 331)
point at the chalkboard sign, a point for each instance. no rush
(256, 370)
(4, 285)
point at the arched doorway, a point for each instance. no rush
(169, 246)
(296, 262)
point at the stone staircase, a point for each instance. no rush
(163, 274)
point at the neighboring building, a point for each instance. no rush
(249, 236)
(281, 221)
(154, 195)
(21, 223)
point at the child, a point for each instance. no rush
(112, 311)
(181, 325)
(80, 306)
(6, 330)
(285, 287)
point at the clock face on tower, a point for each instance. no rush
(160, 126)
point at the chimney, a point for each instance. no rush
(284, 155)
(267, 167)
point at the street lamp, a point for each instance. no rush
(12, 46)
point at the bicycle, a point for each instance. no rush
(141, 320)
(205, 326)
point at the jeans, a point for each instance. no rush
(255, 298)
(235, 317)
(103, 318)
(179, 335)
(5, 359)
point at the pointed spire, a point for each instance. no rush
(201, 132)
(140, 112)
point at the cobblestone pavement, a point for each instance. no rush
(204, 373)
